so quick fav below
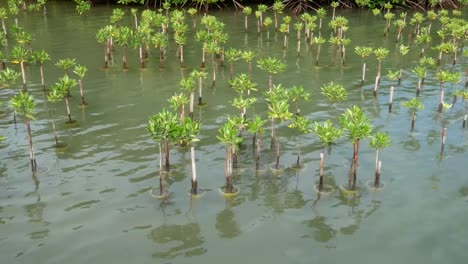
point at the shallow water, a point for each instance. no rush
(91, 202)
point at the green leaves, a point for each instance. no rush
(301, 123)
(327, 133)
(279, 110)
(40, 56)
(379, 140)
(334, 91)
(162, 126)
(60, 89)
(271, 65)
(65, 64)
(24, 104)
(413, 105)
(228, 135)
(8, 77)
(356, 123)
(242, 84)
(80, 70)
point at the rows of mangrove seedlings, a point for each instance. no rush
(260, 110)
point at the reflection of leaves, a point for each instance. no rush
(294, 199)
(412, 144)
(189, 237)
(226, 225)
(322, 231)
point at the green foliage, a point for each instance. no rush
(65, 64)
(80, 70)
(356, 123)
(413, 105)
(40, 56)
(301, 123)
(271, 65)
(162, 126)
(379, 140)
(363, 51)
(279, 109)
(327, 133)
(177, 101)
(60, 89)
(8, 77)
(82, 6)
(334, 91)
(242, 83)
(256, 125)
(24, 104)
(228, 135)
(186, 132)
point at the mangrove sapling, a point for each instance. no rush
(40, 57)
(193, 12)
(261, 8)
(413, 105)
(256, 127)
(388, 18)
(61, 90)
(248, 56)
(137, 42)
(271, 66)
(284, 28)
(81, 70)
(243, 85)
(363, 52)
(21, 55)
(123, 38)
(403, 50)
(298, 27)
(277, 7)
(400, 24)
(186, 133)
(199, 76)
(297, 93)
(82, 6)
(267, 23)
(380, 54)
(319, 41)
(162, 127)
(212, 48)
(335, 92)
(423, 39)
(228, 135)
(416, 21)
(232, 55)
(66, 64)
(103, 36)
(159, 41)
(302, 124)
(278, 109)
(247, 11)
(327, 134)
(242, 104)
(357, 125)
(278, 93)
(188, 85)
(24, 104)
(321, 14)
(178, 101)
(378, 141)
(445, 76)
(444, 48)
(180, 39)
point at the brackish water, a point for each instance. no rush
(91, 202)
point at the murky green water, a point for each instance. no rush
(90, 203)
